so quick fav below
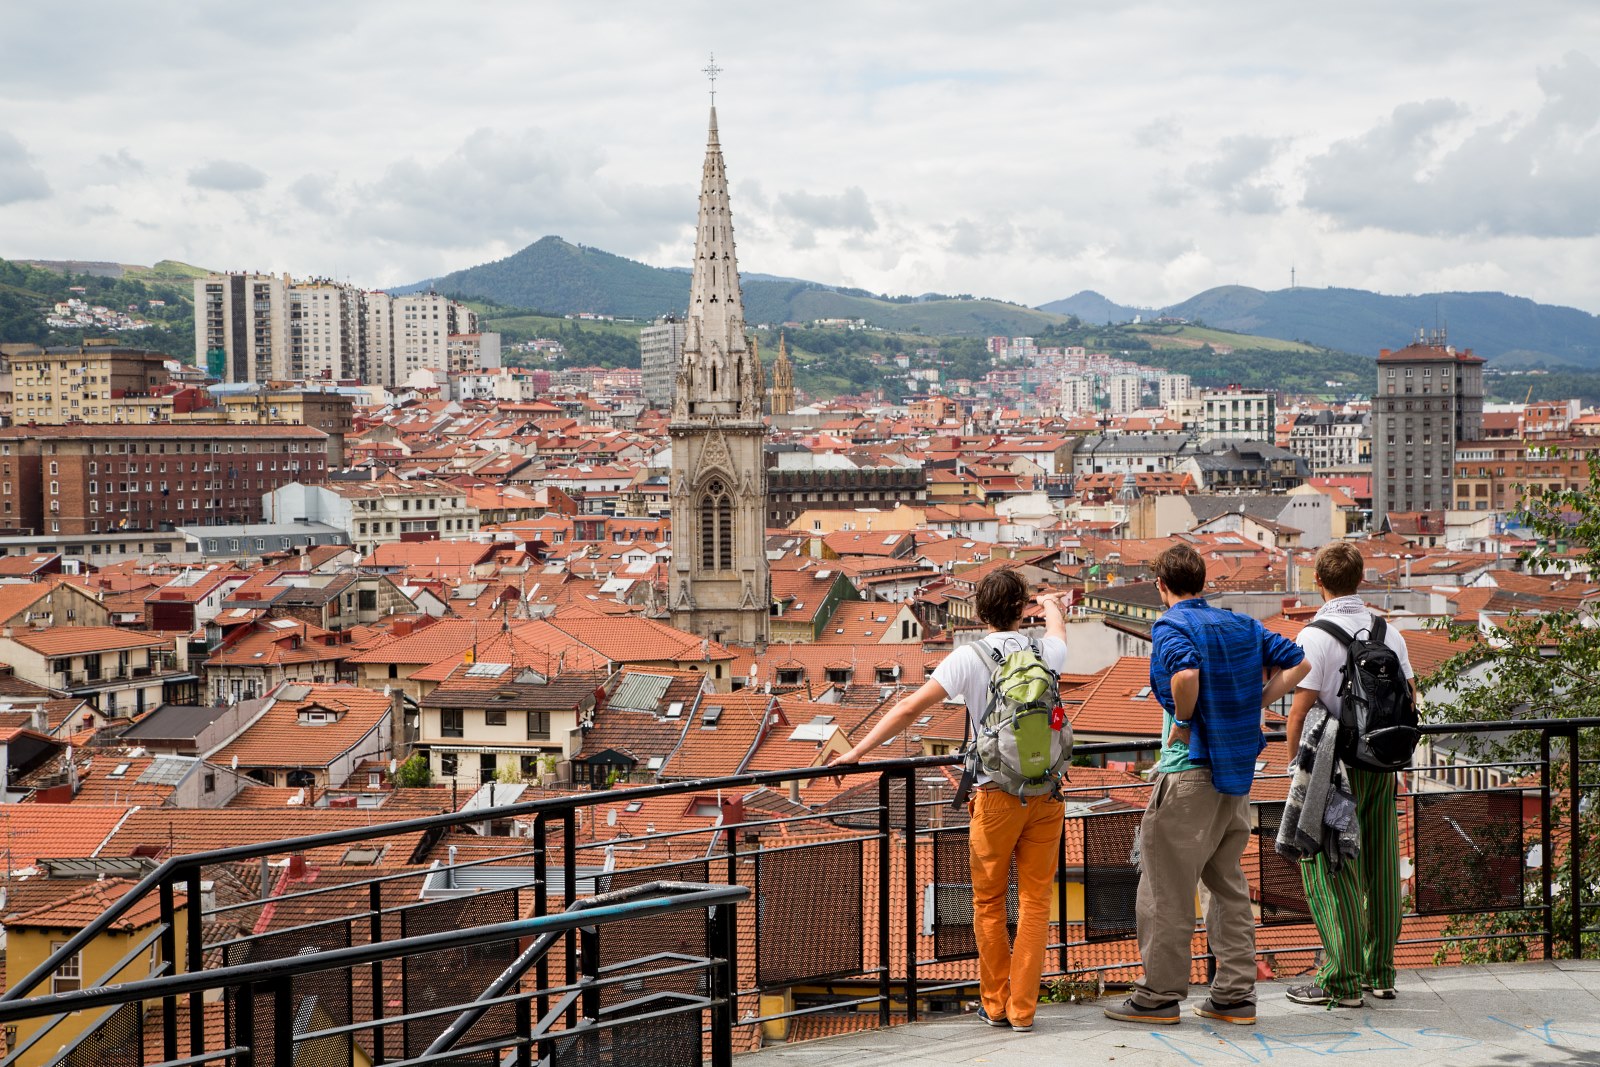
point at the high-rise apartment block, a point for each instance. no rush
(660, 349)
(257, 328)
(326, 331)
(1124, 393)
(1171, 388)
(1246, 414)
(1429, 398)
(241, 326)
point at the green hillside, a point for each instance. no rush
(555, 276)
(27, 291)
(1512, 331)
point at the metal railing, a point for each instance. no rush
(862, 904)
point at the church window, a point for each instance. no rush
(716, 528)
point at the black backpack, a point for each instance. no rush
(1377, 716)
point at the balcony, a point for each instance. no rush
(777, 921)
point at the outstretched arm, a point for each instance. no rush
(898, 718)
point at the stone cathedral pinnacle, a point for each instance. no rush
(719, 585)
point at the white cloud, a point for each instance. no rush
(1025, 149)
(20, 179)
(227, 176)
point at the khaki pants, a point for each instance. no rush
(1008, 975)
(1190, 835)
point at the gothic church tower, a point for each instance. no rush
(718, 585)
(780, 399)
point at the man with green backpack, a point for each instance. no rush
(1019, 753)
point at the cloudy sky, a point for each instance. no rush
(1024, 149)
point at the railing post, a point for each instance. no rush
(1576, 882)
(283, 1022)
(569, 859)
(912, 925)
(195, 953)
(169, 954)
(375, 935)
(244, 1025)
(1547, 860)
(589, 951)
(541, 907)
(885, 986)
(723, 981)
(524, 1032)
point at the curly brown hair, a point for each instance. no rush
(1002, 596)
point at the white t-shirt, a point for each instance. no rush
(1327, 656)
(965, 672)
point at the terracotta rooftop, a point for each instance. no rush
(280, 739)
(77, 640)
(87, 904)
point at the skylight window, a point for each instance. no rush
(119, 770)
(487, 670)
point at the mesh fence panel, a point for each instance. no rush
(1110, 877)
(667, 1041)
(794, 887)
(455, 976)
(1469, 852)
(952, 896)
(319, 1000)
(117, 1042)
(1283, 893)
(626, 946)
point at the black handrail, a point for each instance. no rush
(185, 870)
(266, 971)
(164, 874)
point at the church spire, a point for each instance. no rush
(717, 376)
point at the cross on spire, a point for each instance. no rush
(711, 70)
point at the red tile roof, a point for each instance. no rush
(278, 738)
(30, 832)
(77, 640)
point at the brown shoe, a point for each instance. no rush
(1241, 1014)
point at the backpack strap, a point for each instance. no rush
(1334, 630)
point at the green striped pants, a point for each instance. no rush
(1357, 910)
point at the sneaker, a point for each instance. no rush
(1022, 1028)
(1380, 992)
(1129, 1012)
(1242, 1013)
(983, 1017)
(1316, 995)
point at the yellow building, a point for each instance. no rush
(93, 383)
(33, 935)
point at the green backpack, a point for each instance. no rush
(1016, 745)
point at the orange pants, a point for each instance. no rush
(1003, 826)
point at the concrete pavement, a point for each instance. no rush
(1501, 1015)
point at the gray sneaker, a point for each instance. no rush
(1241, 1014)
(1129, 1012)
(1316, 996)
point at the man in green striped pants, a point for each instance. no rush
(1357, 908)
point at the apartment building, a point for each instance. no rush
(83, 479)
(91, 383)
(1238, 413)
(1493, 475)
(381, 512)
(660, 351)
(1429, 399)
(241, 326)
(1331, 441)
(327, 332)
(258, 328)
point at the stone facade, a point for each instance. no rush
(719, 585)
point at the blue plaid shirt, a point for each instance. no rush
(1230, 650)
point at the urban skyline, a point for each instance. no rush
(1147, 154)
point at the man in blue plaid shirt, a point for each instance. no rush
(1206, 668)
